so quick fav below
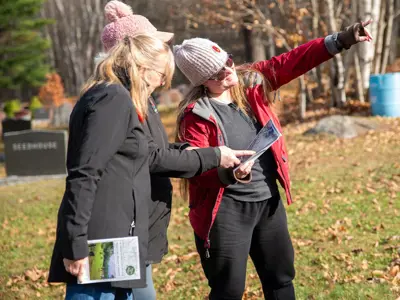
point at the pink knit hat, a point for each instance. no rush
(122, 23)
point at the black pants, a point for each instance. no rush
(255, 228)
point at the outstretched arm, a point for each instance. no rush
(282, 69)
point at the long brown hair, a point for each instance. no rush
(130, 55)
(247, 74)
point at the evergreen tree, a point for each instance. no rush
(22, 48)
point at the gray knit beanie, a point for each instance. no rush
(199, 59)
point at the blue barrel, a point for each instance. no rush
(384, 94)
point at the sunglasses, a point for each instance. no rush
(221, 74)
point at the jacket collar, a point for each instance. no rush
(204, 110)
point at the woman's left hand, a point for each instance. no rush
(354, 34)
(244, 170)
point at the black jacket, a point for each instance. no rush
(161, 188)
(108, 182)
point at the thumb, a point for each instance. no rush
(81, 271)
(363, 38)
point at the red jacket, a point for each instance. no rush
(200, 129)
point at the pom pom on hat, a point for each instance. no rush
(122, 23)
(115, 10)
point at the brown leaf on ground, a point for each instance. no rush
(364, 265)
(171, 258)
(394, 271)
(34, 274)
(188, 256)
(170, 285)
(302, 243)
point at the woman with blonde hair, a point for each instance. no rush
(232, 220)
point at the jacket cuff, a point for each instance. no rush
(332, 44)
(209, 158)
(218, 152)
(76, 249)
(226, 176)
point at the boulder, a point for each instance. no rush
(343, 126)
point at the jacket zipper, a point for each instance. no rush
(131, 228)
(207, 243)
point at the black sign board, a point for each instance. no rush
(30, 153)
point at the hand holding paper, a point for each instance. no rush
(265, 138)
(75, 267)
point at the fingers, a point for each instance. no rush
(243, 152)
(244, 170)
(247, 167)
(366, 23)
(74, 267)
(235, 161)
(365, 38)
(368, 35)
(81, 271)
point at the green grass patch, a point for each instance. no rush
(344, 224)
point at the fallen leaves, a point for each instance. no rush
(302, 242)
(171, 273)
(35, 274)
(339, 230)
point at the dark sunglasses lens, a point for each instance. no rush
(221, 75)
(229, 62)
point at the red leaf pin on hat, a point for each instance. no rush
(216, 49)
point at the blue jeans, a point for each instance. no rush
(149, 292)
(97, 291)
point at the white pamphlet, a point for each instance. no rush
(112, 260)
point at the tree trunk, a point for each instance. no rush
(388, 39)
(258, 48)
(248, 45)
(360, 89)
(369, 9)
(380, 39)
(395, 35)
(75, 38)
(315, 26)
(337, 80)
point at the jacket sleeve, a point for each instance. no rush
(180, 163)
(103, 130)
(179, 146)
(282, 69)
(196, 133)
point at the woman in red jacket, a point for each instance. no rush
(234, 215)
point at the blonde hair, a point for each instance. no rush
(129, 56)
(246, 74)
